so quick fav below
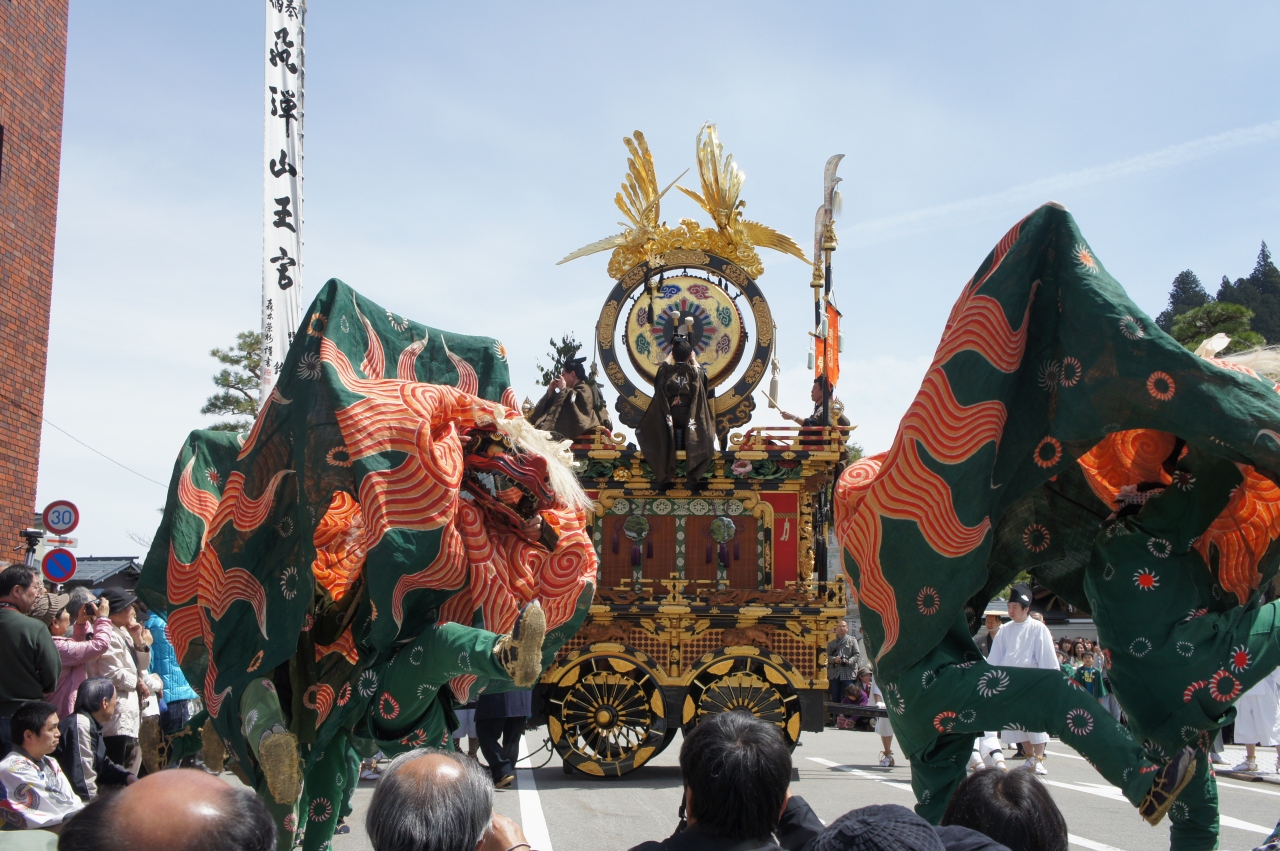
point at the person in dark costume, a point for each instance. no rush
(572, 405)
(679, 417)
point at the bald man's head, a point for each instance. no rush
(178, 810)
(430, 800)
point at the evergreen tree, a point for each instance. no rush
(239, 383)
(1195, 326)
(1260, 292)
(1187, 294)
(561, 353)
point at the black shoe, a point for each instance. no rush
(505, 782)
(1169, 783)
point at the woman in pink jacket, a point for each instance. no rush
(86, 642)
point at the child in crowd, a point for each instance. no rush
(1088, 677)
(1067, 670)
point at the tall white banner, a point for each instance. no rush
(282, 186)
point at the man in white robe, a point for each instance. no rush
(1024, 643)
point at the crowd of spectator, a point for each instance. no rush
(87, 676)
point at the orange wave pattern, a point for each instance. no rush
(898, 484)
(213, 587)
(461, 686)
(345, 645)
(405, 364)
(423, 422)
(339, 541)
(1126, 458)
(252, 438)
(1242, 533)
(375, 362)
(468, 381)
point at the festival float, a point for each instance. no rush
(713, 593)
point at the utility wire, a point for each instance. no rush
(82, 443)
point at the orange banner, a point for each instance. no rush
(827, 361)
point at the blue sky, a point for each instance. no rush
(454, 153)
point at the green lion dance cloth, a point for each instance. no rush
(1058, 430)
(362, 557)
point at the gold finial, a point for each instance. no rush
(829, 241)
(526, 408)
(819, 280)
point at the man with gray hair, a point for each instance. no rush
(434, 800)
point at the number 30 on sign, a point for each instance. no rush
(61, 517)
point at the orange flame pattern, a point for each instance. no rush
(1242, 533)
(1126, 458)
(898, 484)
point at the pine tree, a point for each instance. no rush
(1195, 326)
(1260, 292)
(239, 383)
(1187, 294)
(561, 353)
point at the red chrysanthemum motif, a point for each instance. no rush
(943, 722)
(213, 477)
(320, 809)
(414, 739)
(257, 661)
(291, 822)
(1070, 371)
(1054, 450)
(1161, 386)
(1085, 258)
(1224, 687)
(387, 706)
(1240, 658)
(1035, 538)
(344, 694)
(928, 601)
(1079, 722)
(1145, 579)
(1191, 690)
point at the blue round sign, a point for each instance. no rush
(58, 565)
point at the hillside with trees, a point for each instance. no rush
(1248, 310)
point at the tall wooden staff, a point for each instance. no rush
(824, 242)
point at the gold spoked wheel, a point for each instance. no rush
(607, 716)
(747, 684)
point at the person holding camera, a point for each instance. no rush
(842, 661)
(125, 662)
(81, 629)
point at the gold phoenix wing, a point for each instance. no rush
(721, 185)
(638, 201)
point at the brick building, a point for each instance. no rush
(32, 73)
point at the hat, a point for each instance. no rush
(1020, 594)
(991, 610)
(881, 827)
(47, 606)
(119, 599)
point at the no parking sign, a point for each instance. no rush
(58, 565)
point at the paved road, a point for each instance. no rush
(835, 771)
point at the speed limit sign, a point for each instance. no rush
(61, 517)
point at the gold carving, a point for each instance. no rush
(640, 400)
(764, 320)
(735, 274)
(753, 373)
(689, 235)
(635, 276)
(616, 376)
(682, 256)
(608, 321)
(727, 401)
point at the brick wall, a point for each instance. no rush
(32, 71)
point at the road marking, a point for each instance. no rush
(866, 775)
(1067, 755)
(1246, 787)
(1089, 843)
(1228, 821)
(1098, 789)
(532, 819)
